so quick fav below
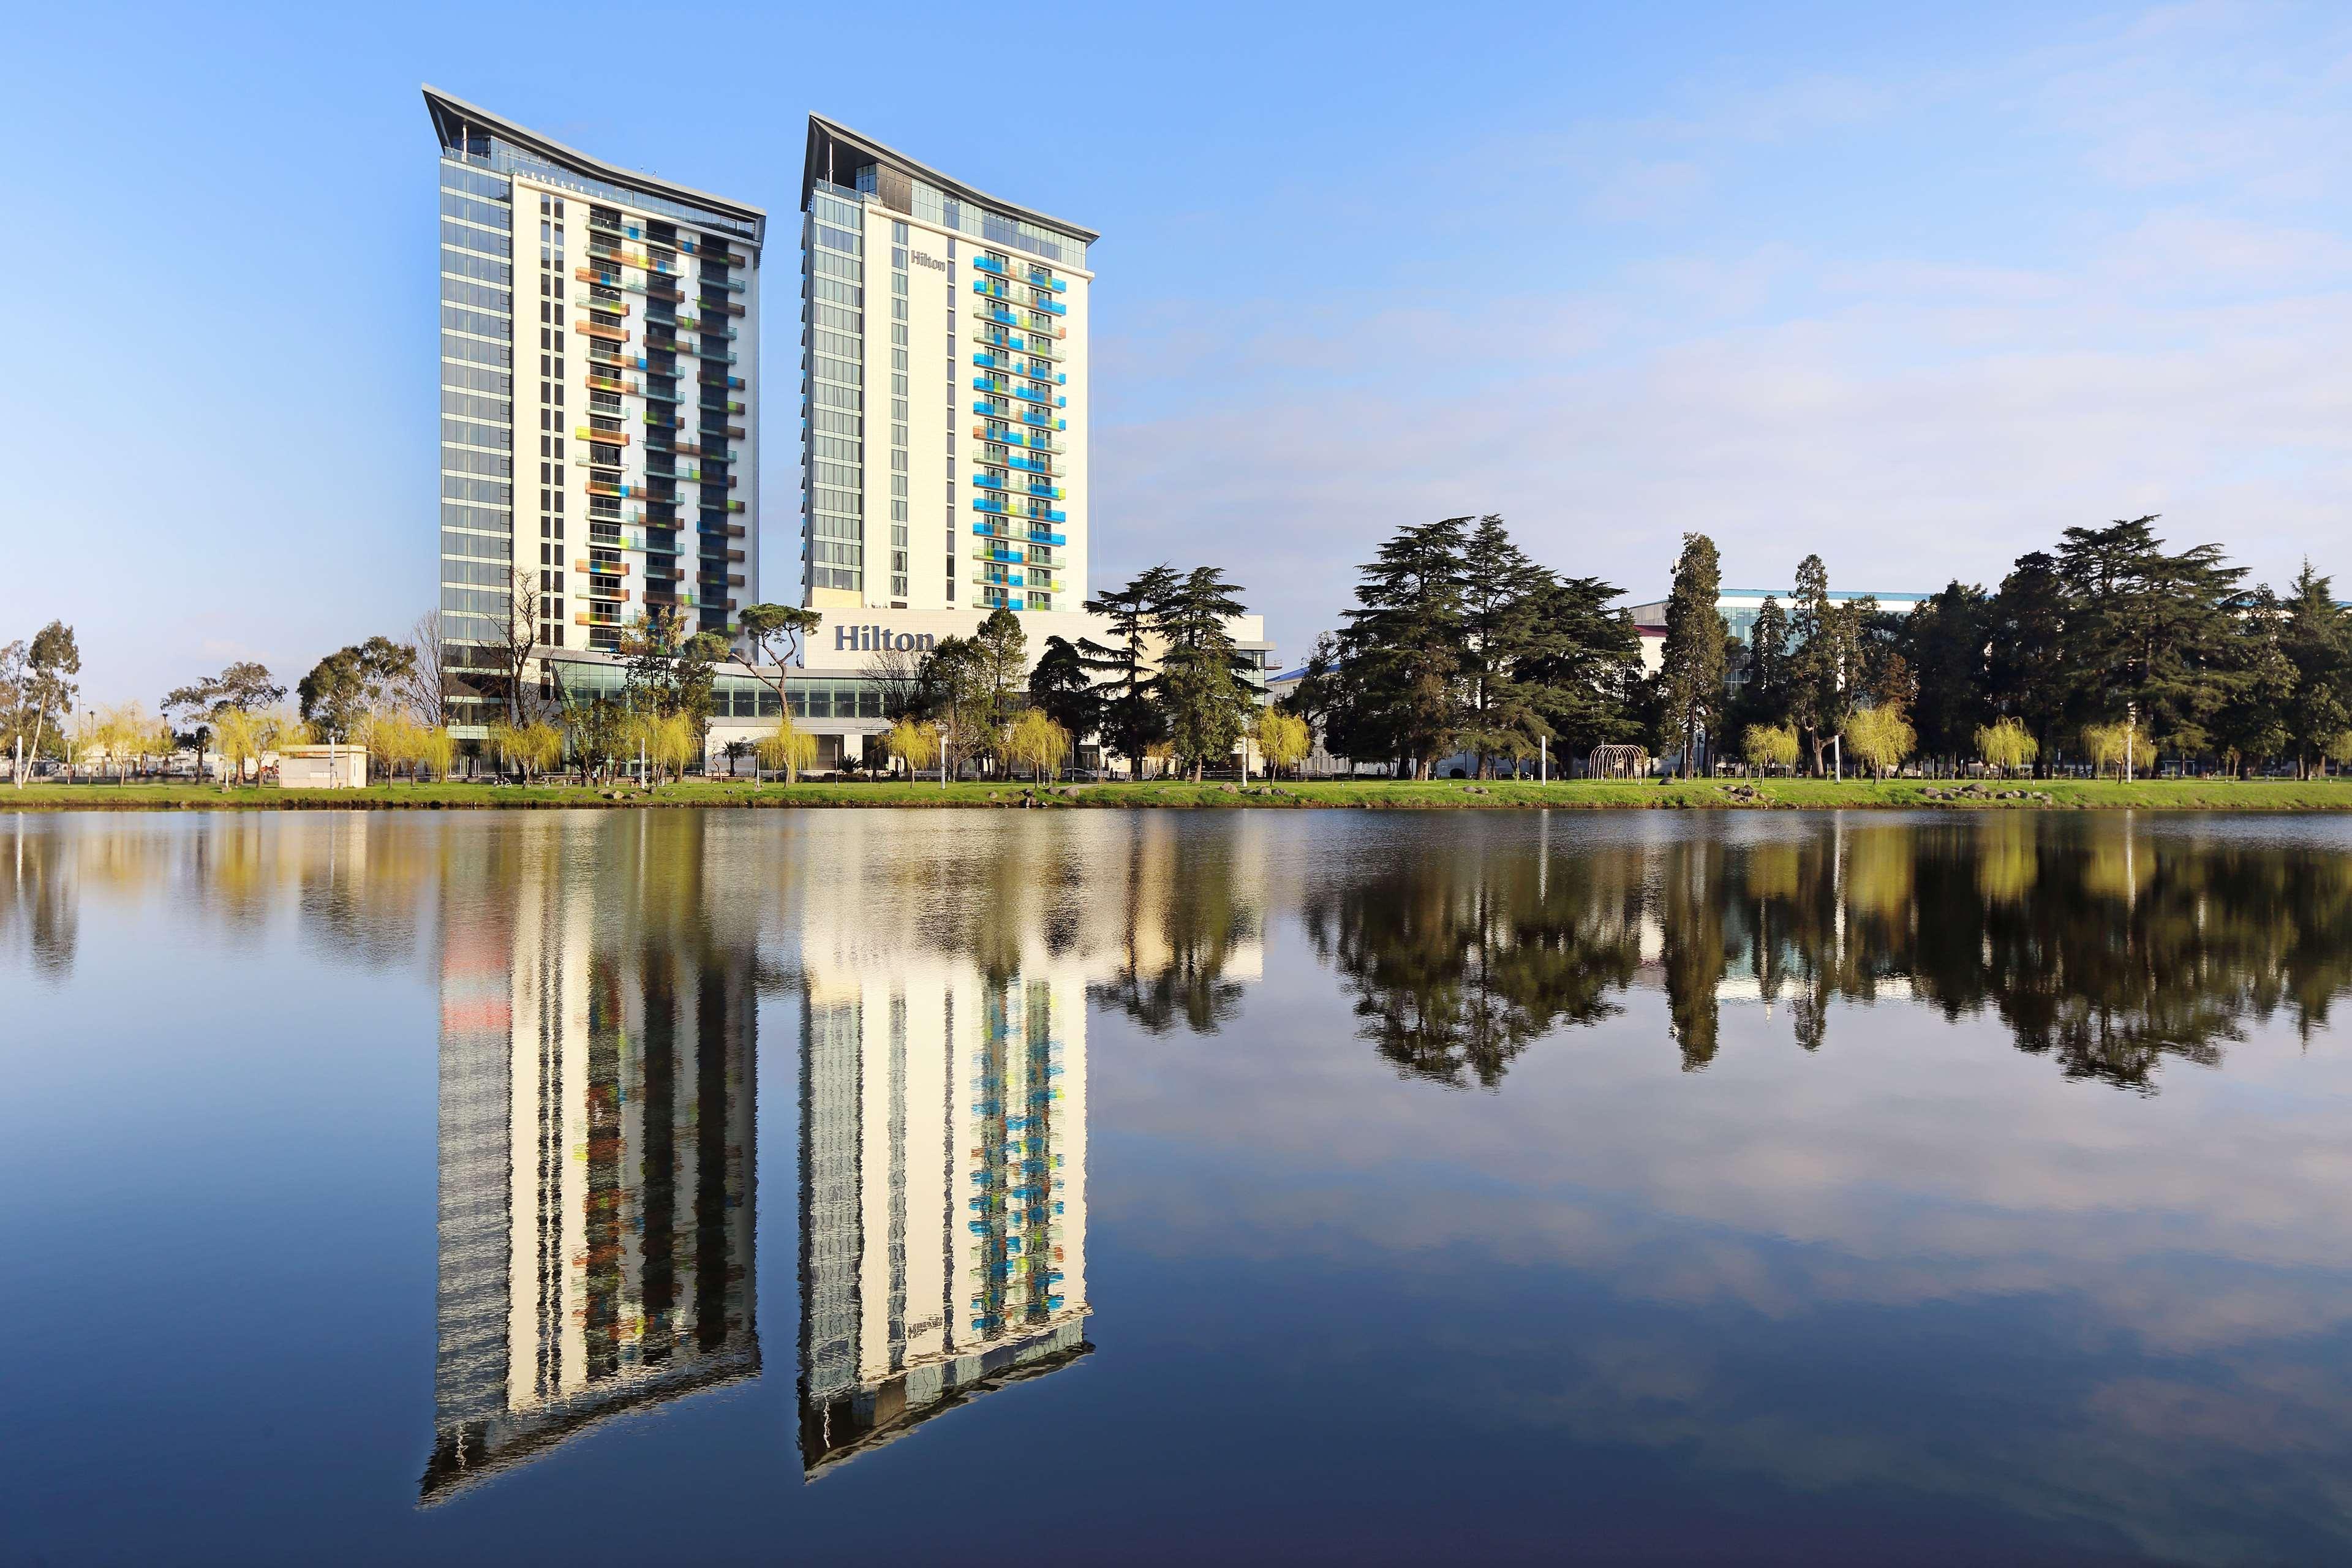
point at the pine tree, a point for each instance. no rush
(1131, 721)
(1200, 688)
(1402, 651)
(1694, 655)
(2030, 669)
(1947, 642)
(2156, 631)
(1501, 590)
(2315, 639)
(1585, 666)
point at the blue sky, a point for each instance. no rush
(1915, 290)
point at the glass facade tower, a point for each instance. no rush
(599, 400)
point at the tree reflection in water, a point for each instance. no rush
(2106, 944)
(1456, 962)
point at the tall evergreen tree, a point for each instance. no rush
(2156, 631)
(1767, 687)
(1825, 661)
(1948, 642)
(2028, 670)
(1694, 655)
(2315, 639)
(1060, 687)
(2253, 726)
(1584, 665)
(1402, 650)
(1131, 721)
(1200, 686)
(1501, 590)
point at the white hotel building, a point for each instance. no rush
(609, 448)
(944, 389)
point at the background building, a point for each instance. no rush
(943, 386)
(1738, 607)
(600, 394)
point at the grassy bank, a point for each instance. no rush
(2323, 795)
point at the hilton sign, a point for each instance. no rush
(878, 640)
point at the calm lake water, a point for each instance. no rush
(641, 1187)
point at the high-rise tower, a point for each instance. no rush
(598, 463)
(944, 389)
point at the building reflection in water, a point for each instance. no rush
(943, 1223)
(943, 1149)
(596, 1142)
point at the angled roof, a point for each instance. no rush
(451, 112)
(823, 133)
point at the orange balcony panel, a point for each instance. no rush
(597, 329)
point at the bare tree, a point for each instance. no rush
(428, 686)
(901, 675)
(518, 640)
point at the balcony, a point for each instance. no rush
(1042, 420)
(1031, 536)
(1043, 399)
(615, 384)
(733, 285)
(595, 618)
(599, 331)
(727, 408)
(1030, 465)
(602, 568)
(1019, 343)
(1034, 441)
(637, 259)
(1052, 307)
(608, 437)
(606, 592)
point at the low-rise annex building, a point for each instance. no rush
(840, 692)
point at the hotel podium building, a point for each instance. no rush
(600, 399)
(944, 389)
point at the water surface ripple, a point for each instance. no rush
(629, 1187)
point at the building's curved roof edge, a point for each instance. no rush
(947, 182)
(439, 103)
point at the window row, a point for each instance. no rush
(481, 546)
(464, 236)
(479, 296)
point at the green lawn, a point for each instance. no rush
(2321, 795)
